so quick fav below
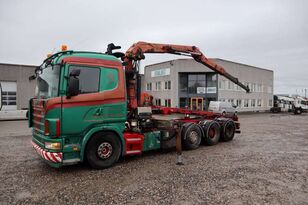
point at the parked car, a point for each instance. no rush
(224, 108)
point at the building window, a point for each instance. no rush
(253, 87)
(269, 89)
(222, 84)
(158, 86)
(184, 102)
(168, 85)
(183, 83)
(149, 86)
(158, 102)
(195, 81)
(239, 103)
(168, 102)
(253, 103)
(231, 101)
(270, 103)
(8, 98)
(211, 80)
(230, 85)
(259, 102)
(246, 103)
(246, 84)
(259, 88)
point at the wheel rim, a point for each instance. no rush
(104, 150)
(193, 137)
(212, 133)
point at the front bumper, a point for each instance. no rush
(53, 157)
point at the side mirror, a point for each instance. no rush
(75, 72)
(32, 77)
(72, 87)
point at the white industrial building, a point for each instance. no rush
(187, 83)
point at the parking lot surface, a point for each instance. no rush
(266, 164)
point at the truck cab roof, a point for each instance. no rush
(58, 57)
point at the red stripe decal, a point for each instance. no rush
(58, 128)
(89, 103)
(54, 158)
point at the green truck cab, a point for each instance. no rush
(63, 122)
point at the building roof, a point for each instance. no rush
(11, 64)
(211, 59)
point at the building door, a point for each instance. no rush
(8, 95)
(196, 103)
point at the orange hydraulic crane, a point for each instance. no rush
(137, 52)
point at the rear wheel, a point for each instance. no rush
(298, 111)
(103, 150)
(211, 130)
(227, 130)
(191, 135)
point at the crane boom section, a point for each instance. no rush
(137, 51)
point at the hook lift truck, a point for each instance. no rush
(87, 108)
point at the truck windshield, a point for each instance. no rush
(48, 82)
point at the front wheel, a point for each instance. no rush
(103, 150)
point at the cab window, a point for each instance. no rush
(109, 78)
(88, 78)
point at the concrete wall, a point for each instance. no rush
(20, 75)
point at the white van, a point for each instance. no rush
(224, 108)
(300, 105)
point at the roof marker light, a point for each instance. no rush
(64, 47)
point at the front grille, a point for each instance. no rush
(38, 115)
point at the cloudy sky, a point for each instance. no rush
(268, 34)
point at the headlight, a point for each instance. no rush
(53, 145)
(133, 123)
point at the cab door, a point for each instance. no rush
(76, 109)
(101, 99)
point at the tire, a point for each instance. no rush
(103, 150)
(227, 130)
(298, 111)
(211, 130)
(191, 136)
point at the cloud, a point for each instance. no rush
(269, 34)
